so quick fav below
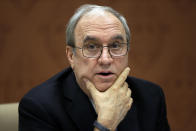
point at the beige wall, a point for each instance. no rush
(32, 47)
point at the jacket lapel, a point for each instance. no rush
(79, 107)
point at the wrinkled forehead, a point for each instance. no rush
(99, 21)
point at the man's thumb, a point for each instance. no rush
(90, 86)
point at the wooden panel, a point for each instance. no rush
(32, 47)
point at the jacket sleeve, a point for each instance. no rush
(163, 122)
(33, 117)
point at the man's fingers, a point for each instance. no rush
(129, 92)
(122, 77)
(125, 85)
(130, 103)
(127, 89)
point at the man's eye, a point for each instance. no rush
(115, 45)
(91, 46)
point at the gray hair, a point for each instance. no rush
(81, 11)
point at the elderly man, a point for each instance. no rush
(95, 93)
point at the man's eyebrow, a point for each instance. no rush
(118, 37)
(88, 38)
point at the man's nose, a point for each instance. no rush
(105, 57)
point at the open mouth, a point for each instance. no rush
(105, 74)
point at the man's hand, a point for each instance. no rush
(113, 104)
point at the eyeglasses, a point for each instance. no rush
(115, 49)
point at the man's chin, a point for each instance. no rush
(103, 86)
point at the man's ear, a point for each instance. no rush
(70, 55)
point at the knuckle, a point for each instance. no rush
(129, 93)
(125, 85)
(121, 92)
(130, 102)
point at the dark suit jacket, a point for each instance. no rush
(60, 105)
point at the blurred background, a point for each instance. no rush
(32, 47)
